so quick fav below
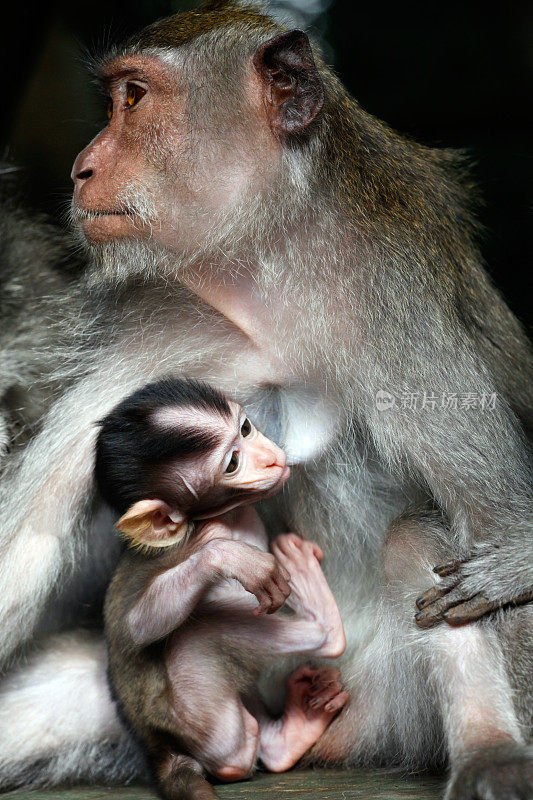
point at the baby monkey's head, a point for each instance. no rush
(177, 451)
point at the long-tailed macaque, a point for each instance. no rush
(182, 465)
(252, 226)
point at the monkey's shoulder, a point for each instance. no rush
(135, 571)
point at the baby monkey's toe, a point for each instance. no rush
(293, 546)
(327, 691)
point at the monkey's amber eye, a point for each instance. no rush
(134, 93)
(109, 109)
(246, 427)
(233, 462)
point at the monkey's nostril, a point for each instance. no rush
(85, 174)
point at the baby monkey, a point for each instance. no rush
(190, 613)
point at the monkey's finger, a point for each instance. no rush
(324, 693)
(432, 614)
(293, 540)
(284, 587)
(283, 545)
(282, 578)
(264, 603)
(317, 551)
(337, 703)
(277, 598)
(325, 675)
(327, 694)
(274, 596)
(432, 594)
(448, 567)
(470, 610)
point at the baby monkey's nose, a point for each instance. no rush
(267, 454)
(277, 458)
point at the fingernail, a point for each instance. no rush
(446, 568)
(424, 621)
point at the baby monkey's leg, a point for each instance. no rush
(227, 736)
(311, 598)
(313, 698)
(211, 721)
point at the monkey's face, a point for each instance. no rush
(175, 159)
(193, 153)
(243, 468)
(236, 465)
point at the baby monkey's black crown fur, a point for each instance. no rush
(131, 448)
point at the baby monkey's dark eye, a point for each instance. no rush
(246, 427)
(233, 462)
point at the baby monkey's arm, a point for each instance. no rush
(170, 597)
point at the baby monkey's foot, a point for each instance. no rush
(313, 698)
(326, 690)
(311, 596)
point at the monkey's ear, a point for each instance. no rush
(294, 90)
(152, 523)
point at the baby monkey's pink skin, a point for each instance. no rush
(216, 584)
(209, 602)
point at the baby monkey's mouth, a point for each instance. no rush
(285, 474)
(274, 488)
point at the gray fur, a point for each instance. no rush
(375, 259)
(33, 292)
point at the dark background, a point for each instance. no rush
(451, 74)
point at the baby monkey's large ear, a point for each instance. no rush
(152, 523)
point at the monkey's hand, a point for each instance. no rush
(491, 576)
(260, 573)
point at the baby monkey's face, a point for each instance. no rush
(235, 465)
(242, 467)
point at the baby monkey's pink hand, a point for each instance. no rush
(258, 572)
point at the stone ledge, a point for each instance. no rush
(294, 785)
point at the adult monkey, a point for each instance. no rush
(300, 255)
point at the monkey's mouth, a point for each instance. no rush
(272, 490)
(94, 213)
(100, 225)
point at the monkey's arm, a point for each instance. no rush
(491, 576)
(172, 595)
(45, 499)
(475, 461)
